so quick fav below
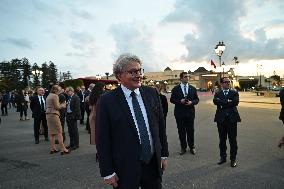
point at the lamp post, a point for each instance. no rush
(223, 66)
(36, 72)
(219, 50)
(259, 67)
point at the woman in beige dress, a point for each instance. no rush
(53, 120)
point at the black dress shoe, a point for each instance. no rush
(233, 163)
(67, 147)
(222, 160)
(193, 151)
(183, 151)
(65, 152)
(54, 151)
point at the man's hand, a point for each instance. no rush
(112, 181)
(164, 164)
(188, 103)
(183, 101)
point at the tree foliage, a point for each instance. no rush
(73, 83)
(17, 74)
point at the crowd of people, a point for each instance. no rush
(52, 108)
(128, 124)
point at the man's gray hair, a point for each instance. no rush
(122, 62)
(70, 88)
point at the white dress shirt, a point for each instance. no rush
(39, 98)
(127, 94)
(182, 88)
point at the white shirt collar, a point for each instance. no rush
(127, 92)
(184, 84)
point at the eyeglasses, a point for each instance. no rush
(135, 72)
(226, 82)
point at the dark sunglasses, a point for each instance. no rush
(135, 72)
(226, 82)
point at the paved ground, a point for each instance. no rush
(260, 163)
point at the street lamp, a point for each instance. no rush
(223, 66)
(219, 50)
(36, 72)
(259, 67)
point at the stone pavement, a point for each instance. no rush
(25, 165)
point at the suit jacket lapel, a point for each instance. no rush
(147, 106)
(189, 92)
(181, 91)
(125, 108)
(149, 111)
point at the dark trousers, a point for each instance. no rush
(73, 131)
(82, 108)
(228, 129)
(62, 121)
(23, 112)
(88, 122)
(4, 109)
(148, 177)
(185, 132)
(40, 118)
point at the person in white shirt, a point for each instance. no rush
(131, 139)
(185, 97)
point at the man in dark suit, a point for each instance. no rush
(227, 117)
(87, 105)
(81, 95)
(130, 132)
(185, 97)
(38, 108)
(73, 114)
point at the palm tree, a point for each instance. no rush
(107, 74)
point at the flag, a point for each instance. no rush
(213, 64)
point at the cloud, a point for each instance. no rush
(82, 14)
(218, 20)
(19, 42)
(136, 39)
(83, 44)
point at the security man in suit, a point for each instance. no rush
(130, 131)
(38, 108)
(185, 97)
(73, 114)
(227, 117)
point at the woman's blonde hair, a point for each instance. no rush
(55, 88)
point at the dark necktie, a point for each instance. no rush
(41, 104)
(185, 91)
(144, 136)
